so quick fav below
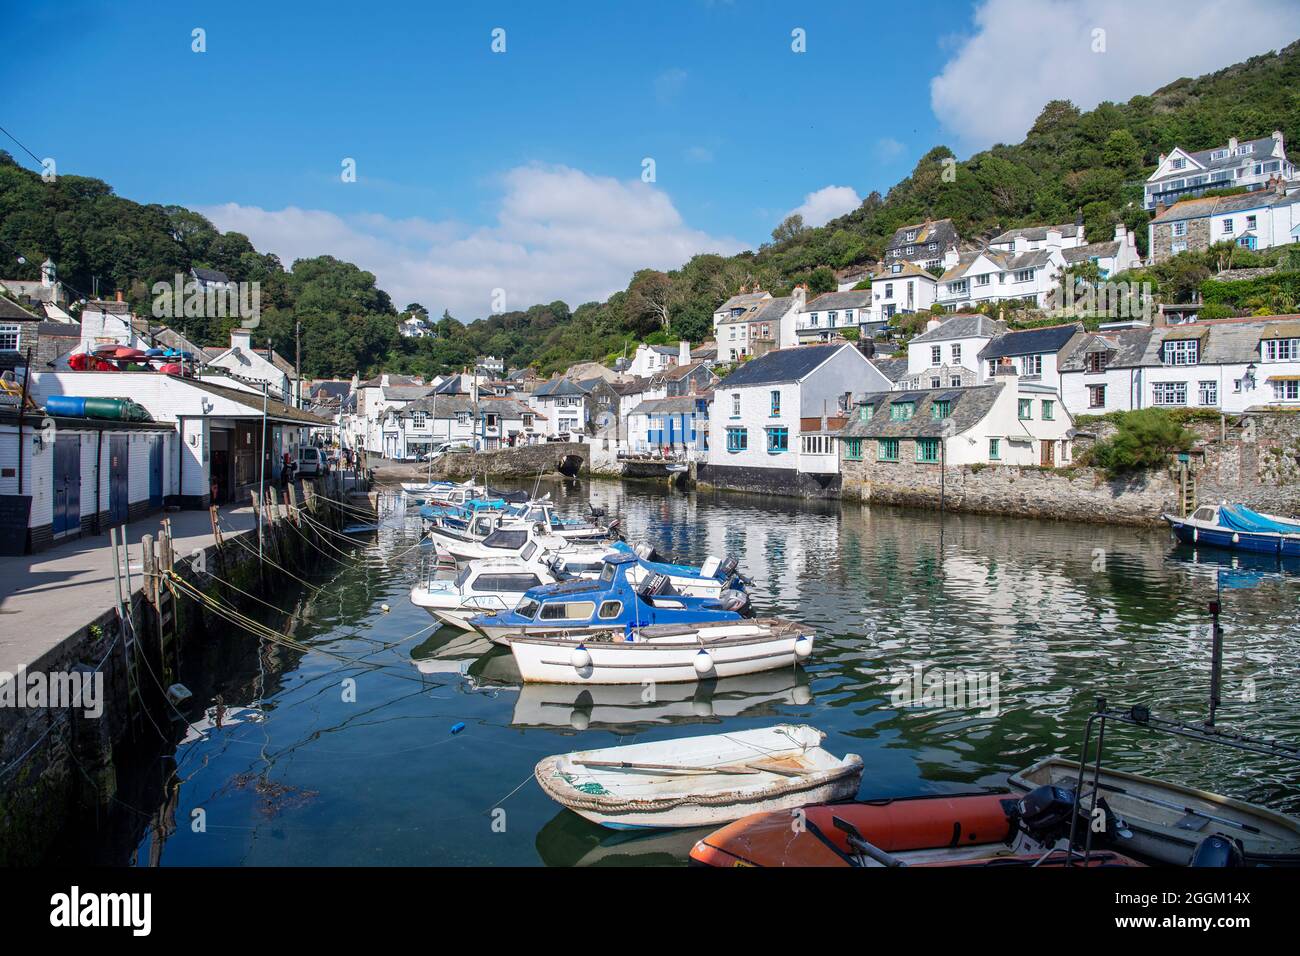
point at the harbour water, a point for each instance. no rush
(350, 753)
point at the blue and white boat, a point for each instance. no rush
(614, 605)
(1238, 528)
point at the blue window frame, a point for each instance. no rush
(737, 439)
(778, 440)
(776, 403)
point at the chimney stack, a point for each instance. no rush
(683, 353)
(119, 295)
(241, 338)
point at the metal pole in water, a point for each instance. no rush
(1216, 662)
(261, 473)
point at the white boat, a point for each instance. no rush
(700, 781)
(493, 584)
(662, 653)
(1167, 820)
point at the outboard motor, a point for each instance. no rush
(1218, 851)
(597, 511)
(1045, 813)
(613, 529)
(728, 567)
(655, 585)
(733, 600)
(646, 553)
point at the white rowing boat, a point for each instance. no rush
(1167, 820)
(663, 653)
(700, 781)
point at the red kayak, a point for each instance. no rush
(975, 830)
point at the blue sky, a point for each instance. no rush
(522, 170)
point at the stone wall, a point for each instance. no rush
(771, 481)
(1253, 459)
(522, 461)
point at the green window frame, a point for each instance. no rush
(902, 411)
(995, 449)
(1049, 409)
(737, 439)
(1026, 409)
(887, 449)
(927, 450)
(778, 440)
(940, 410)
(853, 449)
(865, 412)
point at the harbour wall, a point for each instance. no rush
(1253, 459)
(522, 461)
(58, 764)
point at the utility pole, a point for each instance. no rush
(297, 363)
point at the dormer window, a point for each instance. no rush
(1182, 352)
(1281, 350)
(1219, 154)
(1246, 150)
(896, 268)
(1096, 361)
(911, 236)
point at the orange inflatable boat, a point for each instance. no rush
(978, 830)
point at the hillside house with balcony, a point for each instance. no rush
(1185, 174)
(830, 314)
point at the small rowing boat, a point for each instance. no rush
(700, 781)
(662, 653)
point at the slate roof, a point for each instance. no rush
(406, 393)
(209, 275)
(681, 371)
(839, 300)
(1031, 341)
(378, 380)
(892, 368)
(742, 300)
(941, 231)
(906, 270)
(449, 406)
(1100, 250)
(968, 407)
(1207, 206)
(557, 387)
(1125, 347)
(631, 387)
(769, 310)
(13, 312)
(964, 327)
(782, 365)
(1067, 230)
(1005, 261)
(254, 402)
(1262, 148)
(676, 405)
(1223, 342)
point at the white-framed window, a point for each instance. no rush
(955, 381)
(1031, 365)
(817, 444)
(417, 420)
(1177, 246)
(1288, 391)
(1178, 163)
(935, 381)
(956, 353)
(1275, 350)
(1169, 393)
(983, 279)
(9, 337)
(958, 287)
(1025, 275)
(936, 354)
(735, 404)
(1227, 227)
(1182, 352)
(1180, 228)
(1208, 393)
(1096, 396)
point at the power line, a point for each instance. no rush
(39, 161)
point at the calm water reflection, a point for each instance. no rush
(1060, 613)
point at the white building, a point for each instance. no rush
(1110, 258)
(414, 328)
(1226, 364)
(1005, 422)
(901, 288)
(947, 353)
(677, 426)
(830, 314)
(257, 366)
(1256, 220)
(374, 397)
(744, 301)
(763, 409)
(483, 425)
(652, 359)
(561, 407)
(996, 276)
(1184, 174)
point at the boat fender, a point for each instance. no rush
(458, 727)
(1196, 534)
(703, 662)
(1236, 538)
(802, 647)
(580, 658)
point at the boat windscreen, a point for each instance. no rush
(507, 540)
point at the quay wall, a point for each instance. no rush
(57, 766)
(1253, 459)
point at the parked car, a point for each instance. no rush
(312, 461)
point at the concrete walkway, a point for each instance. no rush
(47, 597)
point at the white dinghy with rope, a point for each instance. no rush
(662, 653)
(700, 781)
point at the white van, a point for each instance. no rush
(311, 461)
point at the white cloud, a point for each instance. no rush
(1023, 53)
(560, 234)
(825, 204)
(669, 84)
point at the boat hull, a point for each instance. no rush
(1198, 533)
(543, 660)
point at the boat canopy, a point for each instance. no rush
(1241, 518)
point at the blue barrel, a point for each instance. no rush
(69, 405)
